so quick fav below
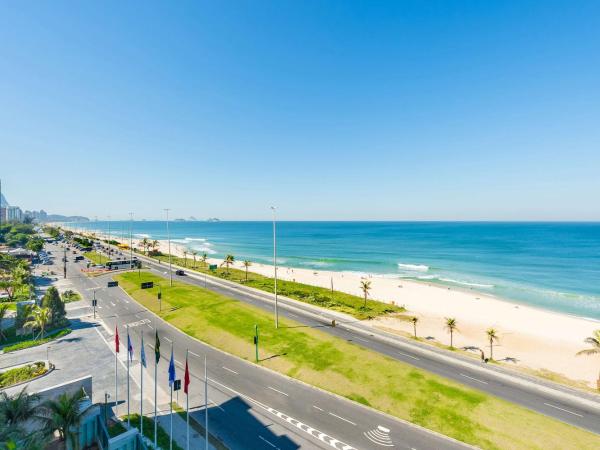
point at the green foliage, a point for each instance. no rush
(63, 413)
(96, 257)
(15, 234)
(54, 303)
(53, 232)
(20, 374)
(27, 343)
(70, 296)
(85, 242)
(115, 429)
(162, 435)
(35, 244)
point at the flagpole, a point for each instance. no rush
(205, 403)
(142, 387)
(128, 358)
(171, 405)
(187, 404)
(116, 368)
(156, 359)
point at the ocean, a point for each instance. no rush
(553, 266)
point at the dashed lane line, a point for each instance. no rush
(316, 407)
(277, 390)
(409, 356)
(230, 370)
(342, 418)
(562, 409)
(474, 379)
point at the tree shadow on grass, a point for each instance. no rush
(272, 357)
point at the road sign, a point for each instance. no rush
(159, 295)
(212, 267)
(94, 302)
(147, 285)
(112, 284)
(176, 385)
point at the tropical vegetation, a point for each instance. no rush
(21, 374)
(451, 327)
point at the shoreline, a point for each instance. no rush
(530, 336)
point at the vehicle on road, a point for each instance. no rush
(123, 264)
(180, 272)
(78, 258)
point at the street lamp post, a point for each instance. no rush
(131, 239)
(275, 268)
(169, 248)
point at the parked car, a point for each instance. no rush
(179, 272)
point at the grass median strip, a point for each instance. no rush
(21, 374)
(346, 369)
(96, 257)
(319, 296)
(35, 342)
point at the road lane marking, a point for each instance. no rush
(409, 356)
(562, 409)
(271, 444)
(112, 303)
(229, 370)
(380, 436)
(360, 339)
(474, 379)
(316, 407)
(325, 438)
(277, 390)
(342, 418)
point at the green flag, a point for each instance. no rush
(157, 348)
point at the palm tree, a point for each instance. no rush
(204, 258)
(41, 317)
(228, 261)
(414, 320)
(63, 414)
(3, 311)
(594, 341)
(246, 265)
(492, 335)
(365, 286)
(451, 327)
(194, 253)
(155, 244)
(185, 258)
(18, 408)
(145, 244)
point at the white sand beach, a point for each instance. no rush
(534, 338)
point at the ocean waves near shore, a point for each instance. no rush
(549, 265)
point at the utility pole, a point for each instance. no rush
(65, 263)
(131, 239)
(275, 269)
(256, 341)
(169, 240)
(108, 238)
(0, 203)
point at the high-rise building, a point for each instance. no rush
(14, 214)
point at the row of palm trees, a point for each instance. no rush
(147, 244)
(60, 414)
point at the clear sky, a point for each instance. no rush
(374, 110)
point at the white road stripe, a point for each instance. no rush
(277, 390)
(229, 370)
(562, 409)
(360, 339)
(474, 379)
(316, 407)
(271, 444)
(409, 356)
(342, 418)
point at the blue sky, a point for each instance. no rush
(373, 110)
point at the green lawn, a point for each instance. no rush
(354, 372)
(162, 435)
(26, 342)
(20, 374)
(96, 257)
(325, 298)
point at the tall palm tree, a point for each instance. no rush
(451, 327)
(39, 320)
(185, 258)
(492, 335)
(18, 408)
(365, 286)
(414, 320)
(594, 341)
(145, 244)
(204, 258)
(194, 253)
(3, 311)
(228, 261)
(64, 413)
(155, 244)
(246, 265)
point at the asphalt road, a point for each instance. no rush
(549, 402)
(249, 406)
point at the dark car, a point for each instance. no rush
(78, 258)
(179, 272)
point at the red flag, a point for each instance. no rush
(186, 378)
(116, 339)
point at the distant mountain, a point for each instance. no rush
(213, 219)
(61, 218)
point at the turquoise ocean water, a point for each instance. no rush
(549, 265)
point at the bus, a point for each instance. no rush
(123, 264)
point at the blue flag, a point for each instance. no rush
(129, 347)
(143, 353)
(172, 369)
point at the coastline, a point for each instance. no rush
(531, 337)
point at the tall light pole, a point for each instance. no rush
(275, 267)
(109, 238)
(169, 241)
(131, 239)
